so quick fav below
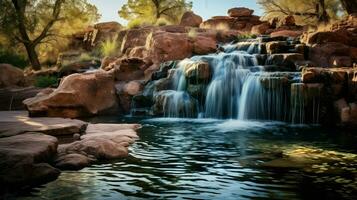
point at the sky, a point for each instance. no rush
(205, 8)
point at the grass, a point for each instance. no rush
(246, 36)
(137, 23)
(46, 81)
(109, 47)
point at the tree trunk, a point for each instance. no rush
(33, 58)
(350, 6)
(323, 16)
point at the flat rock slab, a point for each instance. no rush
(101, 142)
(18, 122)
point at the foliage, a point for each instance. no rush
(137, 23)
(162, 22)
(42, 26)
(304, 11)
(109, 47)
(153, 10)
(14, 58)
(46, 81)
(246, 36)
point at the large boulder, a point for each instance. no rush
(190, 19)
(128, 69)
(204, 45)
(261, 29)
(322, 54)
(240, 12)
(78, 95)
(197, 72)
(12, 98)
(11, 76)
(165, 46)
(24, 158)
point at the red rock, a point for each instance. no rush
(204, 45)
(239, 12)
(260, 29)
(11, 76)
(286, 33)
(190, 19)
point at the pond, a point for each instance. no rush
(216, 159)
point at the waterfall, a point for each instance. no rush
(231, 85)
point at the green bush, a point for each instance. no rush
(46, 81)
(246, 36)
(13, 58)
(162, 22)
(137, 23)
(108, 47)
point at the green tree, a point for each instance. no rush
(152, 10)
(305, 11)
(39, 24)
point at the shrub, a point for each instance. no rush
(192, 33)
(162, 22)
(46, 81)
(13, 58)
(246, 36)
(108, 47)
(137, 23)
(85, 57)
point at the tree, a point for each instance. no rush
(350, 6)
(153, 10)
(306, 11)
(35, 23)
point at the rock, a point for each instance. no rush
(286, 33)
(164, 46)
(277, 47)
(197, 71)
(286, 59)
(12, 98)
(341, 61)
(320, 54)
(138, 52)
(11, 76)
(97, 128)
(126, 91)
(17, 122)
(128, 69)
(347, 113)
(78, 95)
(240, 12)
(133, 88)
(327, 37)
(289, 21)
(163, 70)
(112, 26)
(172, 103)
(260, 29)
(190, 19)
(76, 136)
(204, 45)
(72, 161)
(79, 67)
(24, 158)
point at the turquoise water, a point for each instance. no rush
(211, 159)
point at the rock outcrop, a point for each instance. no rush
(78, 95)
(240, 19)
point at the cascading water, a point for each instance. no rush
(237, 88)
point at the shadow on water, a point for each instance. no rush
(209, 159)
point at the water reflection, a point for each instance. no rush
(215, 159)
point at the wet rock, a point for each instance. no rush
(276, 47)
(240, 12)
(190, 19)
(172, 103)
(11, 76)
(78, 95)
(18, 122)
(163, 70)
(24, 159)
(197, 72)
(72, 161)
(286, 59)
